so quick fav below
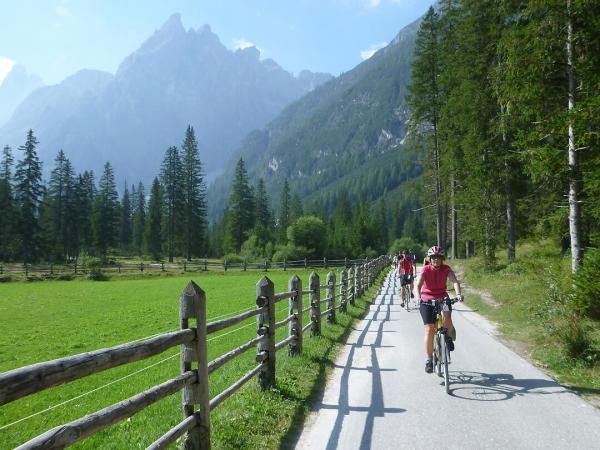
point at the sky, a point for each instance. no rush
(55, 38)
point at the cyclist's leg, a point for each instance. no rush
(428, 316)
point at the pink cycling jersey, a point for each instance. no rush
(406, 267)
(434, 282)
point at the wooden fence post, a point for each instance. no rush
(331, 297)
(265, 349)
(325, 263)
(225, 265)
(245, 263)
(192, 305)
(75, 268)
(295, 326)
(352, 285)
(284, 264)
(315, 304)
(343, 291)
(26, 270)
(162, 266)
(346, 262)
(1, 269)
(266, 265)
(305, 263)
(119, 267)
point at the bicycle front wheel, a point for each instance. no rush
(437, 355)
(445, 360)
(407, 296)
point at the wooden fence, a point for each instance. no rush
(195, 367)
(198, 265)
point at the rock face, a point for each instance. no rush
(345, 138)
(175, 78)
(16, 86)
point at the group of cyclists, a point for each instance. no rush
(430, 289)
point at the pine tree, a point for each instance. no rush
(105, 221)
(296, 209)
(139, 219)
(241, 212)
(152, 230)
(194, 192)
(264, 220)
(126, 222)
(284, 213)
(173, 196)
(7, 217)
(426, 100)
(85, 196)
(61, 198)
(28, 195)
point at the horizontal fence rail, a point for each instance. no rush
(195, 368)
(81, 269)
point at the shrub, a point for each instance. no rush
(232, 258)
(289, 252)
(587, 285)
(96, 274)
(407, 243)
(308, 232)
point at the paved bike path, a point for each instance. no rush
(380, 397)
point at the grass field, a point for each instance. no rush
(47, 320)
(528, 315)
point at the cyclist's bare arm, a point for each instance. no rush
(418, 287)
(455, 282)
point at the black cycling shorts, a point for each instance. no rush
(427, 311)
(406, 279)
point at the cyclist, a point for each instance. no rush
(406, 273)
(431, 287)
(412, 256)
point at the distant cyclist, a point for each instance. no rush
(431, 288)
(406, 273)
(412, 256)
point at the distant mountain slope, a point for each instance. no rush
(175, 78)
(14, 89)
(350, 125)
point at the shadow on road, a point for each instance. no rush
(489, 387)
(376, 407)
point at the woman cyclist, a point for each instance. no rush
(406, 273)
(431, 288)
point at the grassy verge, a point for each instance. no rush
(42, 321)
(532, 313)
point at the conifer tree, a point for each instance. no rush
(28, 195)
(152, 230)
(85, 196)
(264, 221)
(173, 196)
(194, 192)
(241, 212)
(105, 221)
(139, 220)
(126, 221)
(425, 100)
(60, 199)
(7, 217)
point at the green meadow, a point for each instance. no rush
(47, 320)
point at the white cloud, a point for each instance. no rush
(6, 66)
(366, 54)
(373, 3)
(62, 9)
(241, 44)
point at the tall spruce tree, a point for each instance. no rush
(85, 197)
(126, 222)
(105, 221)
(154, 220)
(425, 101)
(264, 220)
(139, 220)
(241, 208)
(61, 198)
(194, 193)
(7, 217)
(172, 186)
(28, 195)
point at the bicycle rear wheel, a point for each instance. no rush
(407, 296)
(445, 360)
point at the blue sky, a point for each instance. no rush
(56, 38)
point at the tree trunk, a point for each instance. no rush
(454, 231)
(574, 205)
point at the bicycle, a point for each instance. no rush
(406, 288)
(441, 354)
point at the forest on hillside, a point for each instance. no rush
(502, 146)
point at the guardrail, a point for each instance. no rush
(76, 269)
(195, 367)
